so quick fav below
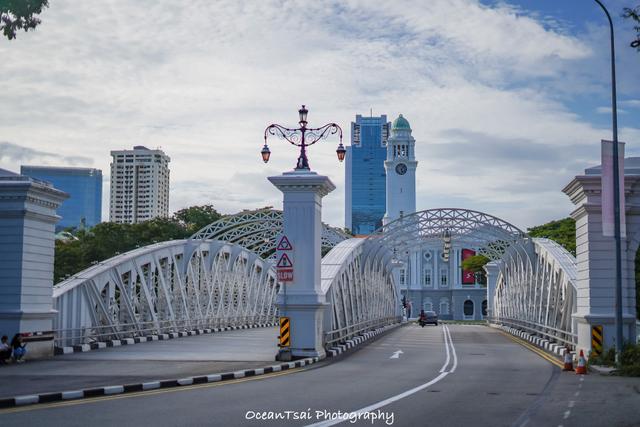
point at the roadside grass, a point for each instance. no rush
(629, 360)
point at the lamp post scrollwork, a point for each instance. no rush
(302, 137)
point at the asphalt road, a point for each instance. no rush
(410, 377)
(170, 359)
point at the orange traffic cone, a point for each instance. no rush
(568, 361)
(581, 369)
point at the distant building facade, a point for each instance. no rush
(139, 185)
(84, 186)
(365, 178)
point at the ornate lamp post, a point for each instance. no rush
(302, 137)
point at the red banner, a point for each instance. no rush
(468, 276)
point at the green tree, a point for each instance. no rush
(196, 217)
(634, 14)
(18, 15)
(475, 263)
(109, 239)
(562, 232)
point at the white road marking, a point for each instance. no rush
(581, 379)
(448, 341)
(571, 403)
(453, 350)
(577, 393)
(446, 346)
(566, 414)
(396, 355)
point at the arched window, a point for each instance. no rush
(444, 306)
(467, 309)
(427, 305)
(484, 307)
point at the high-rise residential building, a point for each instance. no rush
(84, 186)
(139, 185)
(365, 198)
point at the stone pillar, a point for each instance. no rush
(305, 303)
(491, 269)
(27, 233)
(596, 263)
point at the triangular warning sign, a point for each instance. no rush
(284, 262)
(284, 245)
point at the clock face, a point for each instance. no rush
(401, 168)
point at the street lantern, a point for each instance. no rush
(265, 153)
(341, 152)
(303, 115)
(302, 137)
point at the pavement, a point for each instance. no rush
(411, 376)
(157, 360)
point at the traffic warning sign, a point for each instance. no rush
(284, 268)
(284, 244)
(284, 261)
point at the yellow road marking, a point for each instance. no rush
(534, 349)
(143, 393)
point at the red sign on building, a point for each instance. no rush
(468, 276)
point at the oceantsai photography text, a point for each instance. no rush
(373, 417)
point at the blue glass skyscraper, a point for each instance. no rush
(365, 178)
(84, 186)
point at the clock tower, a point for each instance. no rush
(400, 168)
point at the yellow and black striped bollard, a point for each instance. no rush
(285, 332)
(596, 340)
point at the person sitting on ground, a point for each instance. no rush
(19, 348)
(5, 349)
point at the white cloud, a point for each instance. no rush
(203, 79)
(607, 110)
(631, 103)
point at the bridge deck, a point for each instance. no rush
(181, 357)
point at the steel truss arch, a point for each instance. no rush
(536, 291)
(166, 287)
(489, 233)
(358, 282)
(258, 231)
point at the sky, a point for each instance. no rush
(508, 100)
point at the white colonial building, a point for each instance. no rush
(431, 277)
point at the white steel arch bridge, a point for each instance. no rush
(223, 276)
(535, 285)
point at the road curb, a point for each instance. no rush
(150, 385)
(546, 345)
(356, 341)
(82, 348)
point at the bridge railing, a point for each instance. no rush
(358, 282)
(169, 286)
(552, 334)
(89, 334)
(536, 292)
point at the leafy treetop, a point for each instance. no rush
(18, 15)
(634, 14)
(562, 232)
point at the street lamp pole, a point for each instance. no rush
(616, 193)
(301, 137)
